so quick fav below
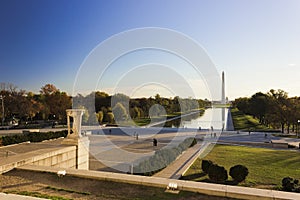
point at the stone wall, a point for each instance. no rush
(63, 157)
(200, 187)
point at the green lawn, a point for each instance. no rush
(245, 122)
(142, 121)
(266, 167)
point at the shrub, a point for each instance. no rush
(205, 165)
(217, 173)
(290, 185)
(32, 137)
(238, 173)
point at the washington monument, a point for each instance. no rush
(223, 101)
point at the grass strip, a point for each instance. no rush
(66, 190)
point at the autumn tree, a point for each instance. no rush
(18, 103)
(54, 102)
(48, 89)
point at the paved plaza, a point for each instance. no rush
(257, 137)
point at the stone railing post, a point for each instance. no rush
(75, 137)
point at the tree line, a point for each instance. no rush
(51, 104)
(105, 108)
(274, 109)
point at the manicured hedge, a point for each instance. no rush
(162, 158)
(32, 137)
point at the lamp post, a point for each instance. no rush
(2, 98)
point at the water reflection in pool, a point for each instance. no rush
(215, 118)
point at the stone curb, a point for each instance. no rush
(204, 188)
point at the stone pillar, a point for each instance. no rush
(75, 137)
(76, 114)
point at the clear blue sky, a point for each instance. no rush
(256, 42)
